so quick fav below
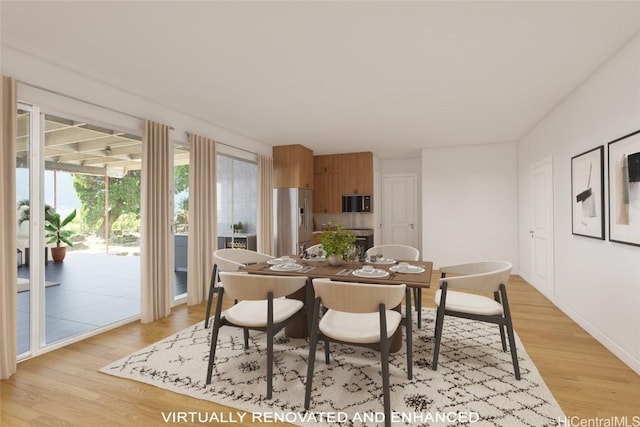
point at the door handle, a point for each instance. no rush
(411, 226)
(531, 233)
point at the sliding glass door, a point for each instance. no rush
(80, 181)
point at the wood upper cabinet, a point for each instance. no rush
(327, 179)
(357, 173)
(338, 174)
(292, 166)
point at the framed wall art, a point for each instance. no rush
(587, 193)
(624, 189)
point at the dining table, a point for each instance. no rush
(417, 274)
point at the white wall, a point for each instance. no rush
(470, 203)
(36, 72)
(597, 283)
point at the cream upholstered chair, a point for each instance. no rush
(316, 250)
(260, 307)
(485, 276)
(398, 252)
(230, 260)
(402, 253)
(362, 315)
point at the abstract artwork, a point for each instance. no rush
(587, 185)
(624, 189)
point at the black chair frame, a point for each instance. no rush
(212, 291)
(271, 329)
(503, 321)
(382, 346)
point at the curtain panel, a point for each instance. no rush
(8, 263)
(202, 217)
(265, 205)
(156, 255)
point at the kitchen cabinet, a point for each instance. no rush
(292, 166)
(338, 174)
(327, 179)
(357, 173)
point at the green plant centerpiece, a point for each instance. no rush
(55, 233)
(337, 242)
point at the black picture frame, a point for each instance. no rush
(624, 189)
(587, 194)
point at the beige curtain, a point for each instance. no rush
(202, 217)
(157, 240)
(265, 205)
(8, 272)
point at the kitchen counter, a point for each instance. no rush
(356, 231)
(237, 241)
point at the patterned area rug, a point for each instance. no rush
(474, 383)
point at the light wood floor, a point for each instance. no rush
(64, 387)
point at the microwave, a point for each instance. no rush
(356, 203)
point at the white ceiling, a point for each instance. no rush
(388, 77)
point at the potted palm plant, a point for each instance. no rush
(337, 242)
(55, 233)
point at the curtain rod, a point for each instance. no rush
(83, 101)
(226, 145)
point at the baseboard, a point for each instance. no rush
(614, 348)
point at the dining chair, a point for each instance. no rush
(477, 277)
(315, 250)
(402, 253)
(230, 260)
(260, 307)
(358, 314)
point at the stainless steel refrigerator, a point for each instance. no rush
(293, 220)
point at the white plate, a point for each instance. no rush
(282, 260)
(375, 273)
(383, 261)
(286, 267)
(412, 269)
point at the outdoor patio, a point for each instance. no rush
(93, 290)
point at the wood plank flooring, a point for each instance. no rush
(64, 387)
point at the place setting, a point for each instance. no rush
(368, 271)
(406, 268)
(282, 260)
(287, 266)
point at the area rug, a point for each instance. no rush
(23, 284)
(473, 385)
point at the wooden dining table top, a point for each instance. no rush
(344, 272)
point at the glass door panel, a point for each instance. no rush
(181, 218)
(88, 178)
(23, 144)
(237, 187)
(92, 178)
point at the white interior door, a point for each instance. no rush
(399, 210)
(541, 231)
